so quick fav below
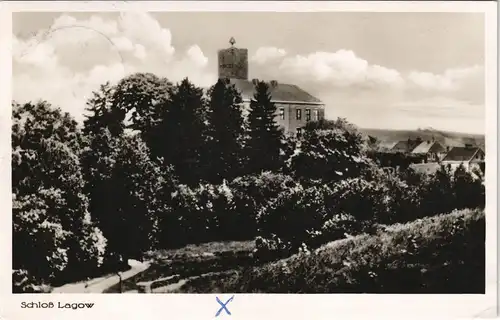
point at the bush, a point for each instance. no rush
(442, 254)
(198, 215)
(402, 199)
(219, 212)
(469, 191)
(303, 218)
(329, 152)
(411, 195)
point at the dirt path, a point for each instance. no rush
(98, 285)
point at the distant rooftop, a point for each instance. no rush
(461, 154)
(279, 92)
(429, 146)
(402, 146)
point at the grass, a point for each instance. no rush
(441, 254)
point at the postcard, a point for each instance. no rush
(243, 160)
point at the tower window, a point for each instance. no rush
(298, 114)
(282, 113)
(316, 115)
(308, 114)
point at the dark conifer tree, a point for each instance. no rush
(265, 136)
(226, 132)
(183, 131)
(103, 112)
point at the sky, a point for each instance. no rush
(378, 70)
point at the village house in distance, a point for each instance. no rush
(294, 106)
(427, 156)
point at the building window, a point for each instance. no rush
(299, 132)
(298, 114)
(282, 113)
(308, 114)
(316, 115)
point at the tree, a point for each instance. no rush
(54, 236)
(127, 192)
(331, 154)
(103, 112)
(265, 136)
(437, 192)
(142, 97)
(183, 132)
(469, 191)
(226, 132)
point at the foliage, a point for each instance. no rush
(315, 215)
(339, 123)
(182, 132)
(142, 96)
(469, 191)
(225, 211)
(53, 234)
(437, 192)
(193, 171)
(226, 133)
(265, 144)
(104, 112)
(442, 254)
(329, 154)
(395, 160)
(127, 191)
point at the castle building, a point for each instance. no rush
(294, 106)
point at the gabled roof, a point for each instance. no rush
(429, 146)
(461, 153)
(401, 146)
(280, 92)
(387, 145)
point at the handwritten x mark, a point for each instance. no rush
(223, 306)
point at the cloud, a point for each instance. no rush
(467, 83)
(266, 54)
(371, 94)
(345, 69)
(450, 80)
(74, 56)
(342, 68)
(196, 55)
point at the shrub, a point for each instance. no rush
(437, 192)
(441, 254)
(329, 152)
(310, 217)
(197, 215)
(411, 195)
(402, 199)
(469, 191)
(219, 212)
(40, 242)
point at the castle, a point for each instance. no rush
(294, 106)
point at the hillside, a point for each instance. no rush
(446, 138)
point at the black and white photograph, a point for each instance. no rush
(250, 152)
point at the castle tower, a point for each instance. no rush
(233, 62)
